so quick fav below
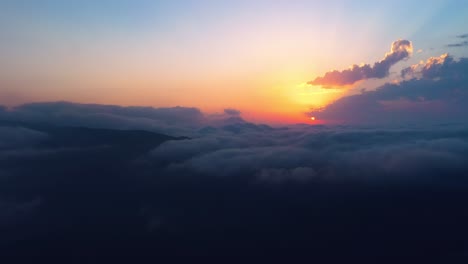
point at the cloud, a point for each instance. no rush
(240, 192)
(178, 121)
(75, 114)
(400, 49)
(322, 154)
(299, 174)
(174, 121)
(430, 69)
(459, 44)
(15, 137)
(233, 112)
(248, 161)
(463, 42)
(173, 151)
(435, 91)
(442, 67)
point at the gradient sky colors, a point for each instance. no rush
(255, 56)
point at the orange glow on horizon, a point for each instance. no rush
(258, 63)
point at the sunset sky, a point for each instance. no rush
(260, 57)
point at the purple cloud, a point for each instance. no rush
(434, 91)
(400, 49)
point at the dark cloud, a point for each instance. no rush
(459, 44)
(16, 137)
(230, 111)
(463, 43)
(436, 92)
(400, 49)
(442, 67)
(175, 120)
(345, 154)
(241, 189)
(279, 176)
(108, 116)
(228, 118)
(304, 160)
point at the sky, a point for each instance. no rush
(268, 59)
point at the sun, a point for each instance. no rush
(312, 118)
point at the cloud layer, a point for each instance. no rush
(232, 188)
(308, 154)
(176, 121)
(400, 49)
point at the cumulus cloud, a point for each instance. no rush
(442, 67)
(434, 91)
(400, 50)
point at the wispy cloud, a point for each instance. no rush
(460, 44)
(463, 43)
